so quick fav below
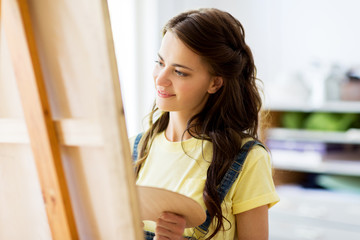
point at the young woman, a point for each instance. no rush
(207, 109)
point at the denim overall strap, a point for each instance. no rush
(149, 235)
(228, 180)
(135, 148)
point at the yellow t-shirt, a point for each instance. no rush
(167, 166)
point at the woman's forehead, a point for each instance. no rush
(174, 50)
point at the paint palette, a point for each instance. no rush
(154, 201)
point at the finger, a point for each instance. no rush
(164, 232)
(173, 218)
(160, 238)
(169, 229)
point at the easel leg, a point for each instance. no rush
(37, 112)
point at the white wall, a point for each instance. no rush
(136, 34)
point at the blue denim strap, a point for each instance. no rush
(228, 180)
(135, 148)
(149, 235)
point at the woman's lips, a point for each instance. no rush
(164, 94)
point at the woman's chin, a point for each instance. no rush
(164, 107)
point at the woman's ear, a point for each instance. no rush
(216, 83)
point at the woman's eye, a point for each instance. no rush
(181, 74)
(159, 63)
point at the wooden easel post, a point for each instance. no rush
(108, 209)
(44, 143)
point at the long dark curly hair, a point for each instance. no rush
(229, 115)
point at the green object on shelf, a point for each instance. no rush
(293, 120)
(339, 183)
(350, 120)
(330, 121)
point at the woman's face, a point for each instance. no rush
(182, 80)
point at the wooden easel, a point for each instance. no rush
(57, 60)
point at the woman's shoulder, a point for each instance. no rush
(257, 145)
(139, 135)
(257, 153)
(132, 139)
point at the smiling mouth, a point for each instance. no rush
(164, 94)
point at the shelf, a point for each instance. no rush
(351, 136)
(338, 168)
(335, 106)
(314, 162)
(338, 209)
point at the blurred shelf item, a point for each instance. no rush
(350, 89)
(333, 106)
(311, 163)
(314, 214)
(302, 155)
(316, 156)
(351, 136)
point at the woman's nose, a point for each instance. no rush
(161, 77)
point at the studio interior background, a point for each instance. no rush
(307, 55)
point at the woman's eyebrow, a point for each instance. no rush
(175, 64)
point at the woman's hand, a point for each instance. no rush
(169, 226)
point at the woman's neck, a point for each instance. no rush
(176, 127)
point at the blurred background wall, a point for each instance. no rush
(307, 53)
(288, 39)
